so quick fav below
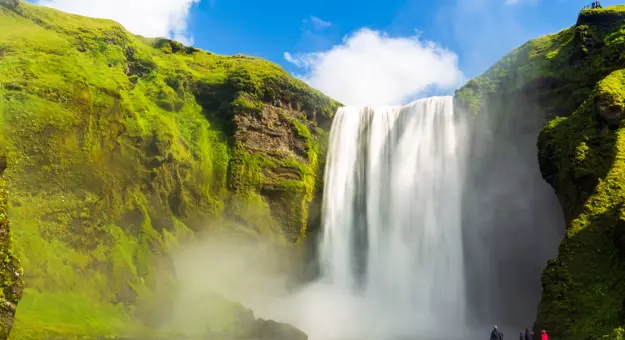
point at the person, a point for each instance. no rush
(593, 5)
(496, 334)
(521, 337)
(543, 335)
(527, 335)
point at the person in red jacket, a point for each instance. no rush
(543, 335)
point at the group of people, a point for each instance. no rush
(595, 4)
(498, 335)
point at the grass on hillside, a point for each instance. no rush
(120, 148)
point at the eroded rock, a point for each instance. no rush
(10, 4)
(607, 110)
(273, 330)
(261, 329)
(11, 283)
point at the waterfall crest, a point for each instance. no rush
(392, 214)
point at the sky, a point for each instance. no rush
(360, 52)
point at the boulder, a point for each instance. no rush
(273, 330)
(607, 110)
(10, 4)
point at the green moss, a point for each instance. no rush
(617, 334)
(585, 163)
(120, 147)
(557, 71)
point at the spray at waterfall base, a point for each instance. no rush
(409, 235)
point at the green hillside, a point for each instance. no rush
(120, 147)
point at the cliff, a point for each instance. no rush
(121, 147)
(11, 283)
(575, 80)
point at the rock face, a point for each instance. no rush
(272, 330)
(10, 4)
(576, 78)
(250, 327)
(11, 283)
(125, 146)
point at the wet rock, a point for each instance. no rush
(250, 327)
(273, 330)
(618, 238)
(11, 282)
(10, 4)
(607, 110)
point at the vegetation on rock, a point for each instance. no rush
(11, 283)
(119, 147)
(576, 78)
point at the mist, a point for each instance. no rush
(509, 224)
(512, 220)
(219, 276)
(215, 273)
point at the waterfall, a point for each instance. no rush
(392, 215)
(434, 227)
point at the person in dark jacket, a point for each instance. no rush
(496, 334)
(528, 335)
(521, 337)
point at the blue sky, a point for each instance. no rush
(269, 28)
(367, 45)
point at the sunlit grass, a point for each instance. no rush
(121, 146)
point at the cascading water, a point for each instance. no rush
(395, 262)
(392, 216)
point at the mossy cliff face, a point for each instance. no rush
(576, 78)
(120, 147)
(11, 283)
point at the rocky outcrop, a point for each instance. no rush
(243, 324)
(272, 330)
(278, 146)
(11, 283)
(250, 327)
(609, 105)
(11, 4)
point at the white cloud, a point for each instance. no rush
(150, 18)
(371, 68)
(318, 23)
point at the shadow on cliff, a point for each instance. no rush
(512, 222)
(582, 288)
